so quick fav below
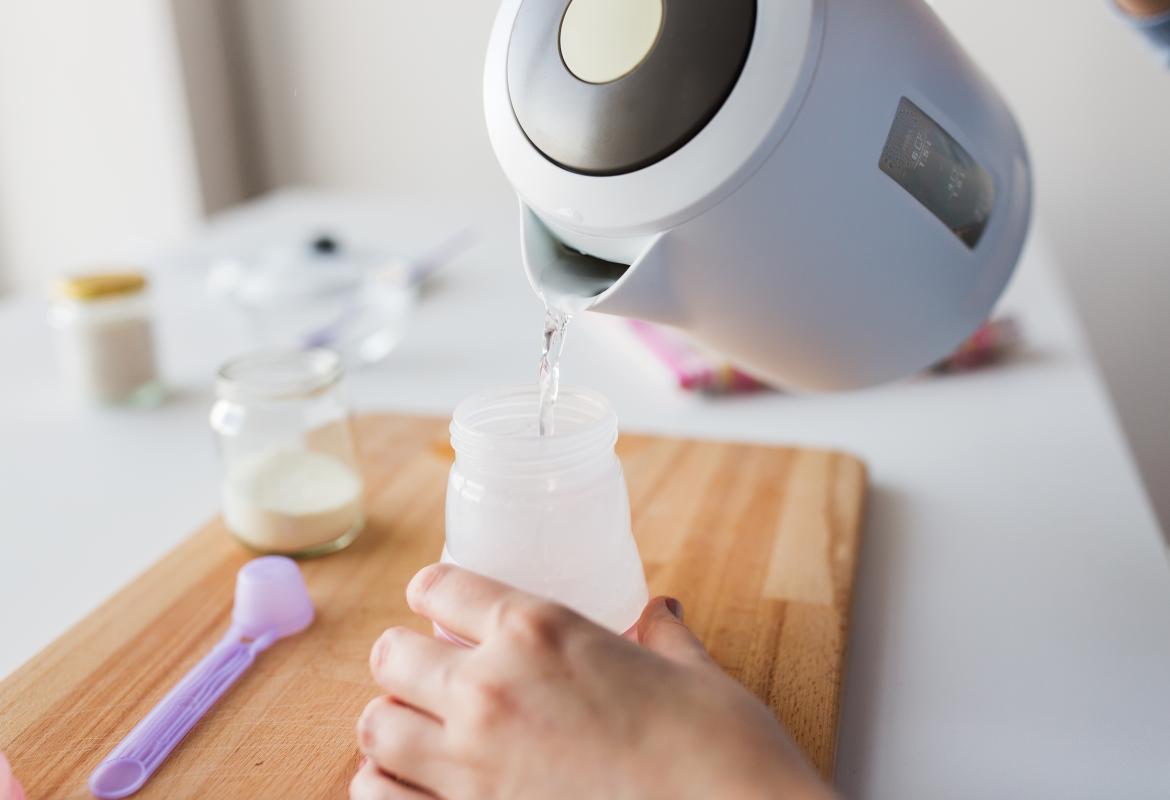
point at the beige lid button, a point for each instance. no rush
(604, 40)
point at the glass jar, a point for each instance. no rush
(291, 482)
(105, 338)
(549, 515)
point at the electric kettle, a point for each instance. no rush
(828, 191)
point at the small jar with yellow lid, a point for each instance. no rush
(106, 338)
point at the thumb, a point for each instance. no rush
(9, 786)
(661, 630)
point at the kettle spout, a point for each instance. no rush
(625, 278)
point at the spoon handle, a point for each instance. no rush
(129, 765)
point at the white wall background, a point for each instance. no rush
(370, 95)
(96, 161)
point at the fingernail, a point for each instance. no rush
(378, 653)
(365, 733)
(674, 607)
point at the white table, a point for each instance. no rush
(1011, 630)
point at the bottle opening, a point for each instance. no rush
(501, 426)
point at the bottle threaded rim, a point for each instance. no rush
(500, 427)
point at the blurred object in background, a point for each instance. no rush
(105, 338)
(327, 292)
(694, 368)
(993, 342)
(1152, 18)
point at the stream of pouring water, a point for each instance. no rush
(556, 325)
(568, 285)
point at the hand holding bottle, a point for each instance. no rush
(551, 705)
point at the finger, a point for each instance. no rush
(415, 668)
(10, 788)
(369, 783)
(401, 741)
(465, 604)
(661, 630)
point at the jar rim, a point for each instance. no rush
(500, 425)
(279, 374)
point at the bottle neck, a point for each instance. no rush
(497, 433)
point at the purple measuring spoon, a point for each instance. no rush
(271, 603)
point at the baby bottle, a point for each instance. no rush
(547, 514)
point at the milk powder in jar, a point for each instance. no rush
(291, 483)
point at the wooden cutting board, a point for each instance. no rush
(759, 543)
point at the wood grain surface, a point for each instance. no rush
(759, 543)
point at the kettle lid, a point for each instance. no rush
(607, 87)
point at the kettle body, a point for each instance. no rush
(828, 191)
